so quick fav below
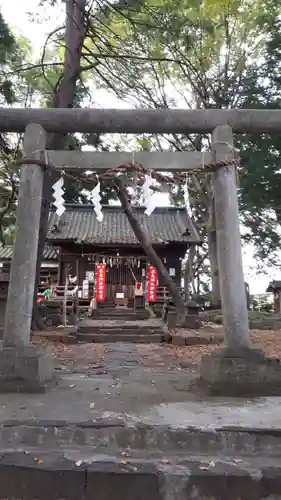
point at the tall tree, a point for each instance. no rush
(11, 53)
(64, 94)
(260, 198)
(77, 28)
(193, 54)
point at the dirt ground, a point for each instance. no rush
(94, 355)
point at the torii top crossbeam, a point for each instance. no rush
(138, 121)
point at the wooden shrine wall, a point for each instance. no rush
(123, 271)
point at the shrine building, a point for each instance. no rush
(82, 243)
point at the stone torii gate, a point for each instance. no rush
(236, 369)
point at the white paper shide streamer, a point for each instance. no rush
(186, 198)
(58, 193)
(149, 196)
(96, 198)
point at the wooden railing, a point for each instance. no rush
(162, 294)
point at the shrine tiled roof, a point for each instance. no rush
(50, 253)
(79, 224)
(274, 285)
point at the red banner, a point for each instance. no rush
(100, 282)
(152, 279)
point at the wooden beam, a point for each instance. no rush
(91, 160)
(138, 121)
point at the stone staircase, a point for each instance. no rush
(121, 313)
(109, 457)
(120, 325)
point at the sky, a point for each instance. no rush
(17, 14)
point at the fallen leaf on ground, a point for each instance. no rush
(92, 405)
(208, 466)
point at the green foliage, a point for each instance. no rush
(209, 54)
(260, 197)
(8, 94)
(206, 55)
(7, 47)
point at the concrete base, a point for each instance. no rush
(56, 476)
(243, 372)
(25, 369)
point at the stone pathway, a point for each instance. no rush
(115, 357)
(123, 413)
(134, 379)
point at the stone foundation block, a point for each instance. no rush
(242, 372)
(25, 369)
(190, 321)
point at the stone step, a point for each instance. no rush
(121, 313)
(119, 336)
(124, 333)
(125, 317)
(150, 435)
(89, 329)
(119, 328)
(129, 310)
(116, 312)
(66, 476)
(113, 456)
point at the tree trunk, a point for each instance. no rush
(149, 250)
(64, 96)
(64, 305)
(215, 277)
(188, 272)
(212, 249)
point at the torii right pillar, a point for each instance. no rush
(238, 369)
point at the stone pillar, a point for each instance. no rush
(238, 369)
(23, 269)
(232, 283)
(23, 368)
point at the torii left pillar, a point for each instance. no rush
(22, 367)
